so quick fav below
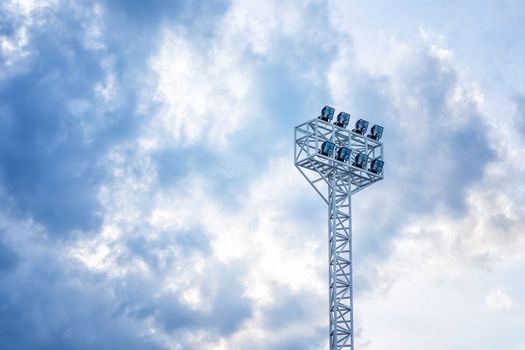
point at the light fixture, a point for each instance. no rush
(376, 132)
(361, 126)
(343, 154)
(327, 148)
(376, 166)
(342, 119)
(360, 160)
(327, 114)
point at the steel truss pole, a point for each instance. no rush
(343, 179)
(340, 263)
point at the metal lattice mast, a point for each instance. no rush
(336, 178)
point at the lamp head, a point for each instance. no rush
(343, 154)
(327, 113)
(342, 119)
(361, 126)
(376, 132)
(327, 148)
(360, 160)
(376, 166)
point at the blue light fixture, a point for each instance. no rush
(376, 166)
(342, 119)
(361, 126)
(376, 132)
(343, 154)
(327, 114)
(360, 160)
(327, 148)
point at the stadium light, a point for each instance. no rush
(376, 132)
(343, 154)
(327, 114)
(361, 126)
(327, 148)
(342, 119)
(376, 166)
(360, 160)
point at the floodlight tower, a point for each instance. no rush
(338, 163)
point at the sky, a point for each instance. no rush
(149, 198)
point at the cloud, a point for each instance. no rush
(58, 118)
(56, 304)
(201, 92)
(151, 200)
(497, 299)
(438, 144)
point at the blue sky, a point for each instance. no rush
(149, 198)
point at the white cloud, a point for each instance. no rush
(497, 300)
(277, 254)
(92, 25)
(14, 48)
(203, 92)
(26, 7)
(260, 24)
(24, 15)
(206, 88)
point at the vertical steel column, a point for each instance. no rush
(331, 262)
(340, 263)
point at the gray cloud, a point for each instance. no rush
(46, 306)
(435, 150)
(55, 129)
